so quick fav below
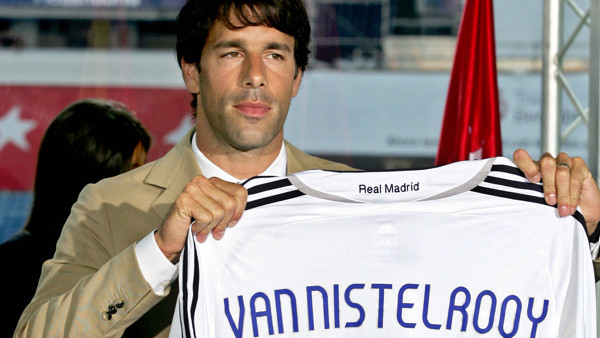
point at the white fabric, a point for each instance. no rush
(157, 270)
(460, 250)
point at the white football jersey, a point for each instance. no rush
(461, 250)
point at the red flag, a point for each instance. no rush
(471, 125)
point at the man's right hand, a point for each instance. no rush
(214, 204)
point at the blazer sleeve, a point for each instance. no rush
(90, 288)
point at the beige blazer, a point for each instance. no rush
(95, 268)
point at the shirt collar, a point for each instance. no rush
(209, 169)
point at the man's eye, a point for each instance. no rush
(231, 54)
(276, 56)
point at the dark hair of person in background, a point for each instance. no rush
(90, 140)
(197, 17)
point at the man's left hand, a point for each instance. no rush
(567, 181)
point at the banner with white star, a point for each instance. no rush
(26, 112)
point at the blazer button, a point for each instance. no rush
(106, 316)
(119, 303)
(112, 309)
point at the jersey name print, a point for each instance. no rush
(467, 249)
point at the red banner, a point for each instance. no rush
(471, 125)
(26, 112)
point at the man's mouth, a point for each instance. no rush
(253, 109)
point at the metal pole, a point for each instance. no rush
(551, 102)
(594, 87)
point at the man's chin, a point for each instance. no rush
(249, 144)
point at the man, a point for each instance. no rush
(115, 261)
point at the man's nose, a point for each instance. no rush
(253, 74)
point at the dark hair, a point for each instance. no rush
(197, 17)
(89, 140)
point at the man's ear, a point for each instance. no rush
(190, 76)
(297, 81)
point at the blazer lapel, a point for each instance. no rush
(299, 161)
(172, 173)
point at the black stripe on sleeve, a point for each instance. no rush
(514, 184)
(527, 198)
(274, 198)
(511, 195)
(508, 169)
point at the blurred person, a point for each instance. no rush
(242, 61)
(89, 140)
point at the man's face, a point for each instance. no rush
(246, 81)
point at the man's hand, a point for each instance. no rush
(567, 181)
(214, 204)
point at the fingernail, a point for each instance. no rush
(201, 237)
(218, 234)
(232, 223)
(551, 199)
(573, 209)
(535, 178)
(564, 210)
